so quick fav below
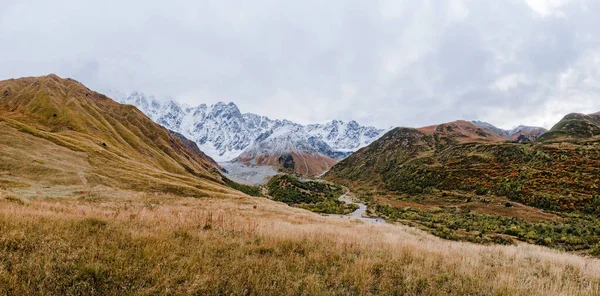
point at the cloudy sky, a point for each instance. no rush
(383, 63)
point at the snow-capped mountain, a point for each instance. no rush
(290, 146)
(344, 136)
(225, 134)
(521, 133)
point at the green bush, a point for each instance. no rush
(315, 196)
(247, 189)
(572, 233)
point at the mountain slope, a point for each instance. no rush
(224, 133)
(427, 160)
(574, 126)
(400, 145)
(290, 147)
(462, 184)
(521, 133)
(110, 144)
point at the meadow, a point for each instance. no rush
(117, 242)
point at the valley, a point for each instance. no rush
(268, 148)
(97, 197)
(361, 210)
(227, 135)
(463, 183)
(248, 174)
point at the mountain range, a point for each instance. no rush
(521, 133)
(459, 180)
(224, 133)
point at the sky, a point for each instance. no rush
(380, 62)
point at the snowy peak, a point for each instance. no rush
(225, 133)
(225, 111)
(284, 139)
(344, 137)
(491, 128)
(522, 133)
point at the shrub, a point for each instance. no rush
(314, 196)
(247, 189)
(572, 232)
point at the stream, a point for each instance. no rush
(358, 214)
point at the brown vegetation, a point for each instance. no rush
(123, 242)
(461, 131)
(55, 131)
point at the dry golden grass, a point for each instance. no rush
(121, 242)
(56, 131)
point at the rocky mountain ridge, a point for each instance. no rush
(225, 133)
(521, 133)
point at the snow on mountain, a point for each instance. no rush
(344, 137)
(521, 133)
(290, 146)
(490, 127)
(285, 138)
(224, 133)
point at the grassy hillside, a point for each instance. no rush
(315, 196)
(553, 176)
(574, 126)
(247, 189)
(135, 243)
(57, 132)
(445, 184)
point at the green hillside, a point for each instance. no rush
(574, 126)
(414, 176)
(315, 196)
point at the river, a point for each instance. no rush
(358, 214)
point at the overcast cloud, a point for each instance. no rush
(383, 63)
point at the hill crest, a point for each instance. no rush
(123, 147)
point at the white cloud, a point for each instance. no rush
(547, 7)
(574, 90)
(392, 9)
(458, 10)
(348, 91)
(382, 62)
(510, 81)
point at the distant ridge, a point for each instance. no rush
(521, 133)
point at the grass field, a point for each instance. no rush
(96, 199)
(124, 242)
